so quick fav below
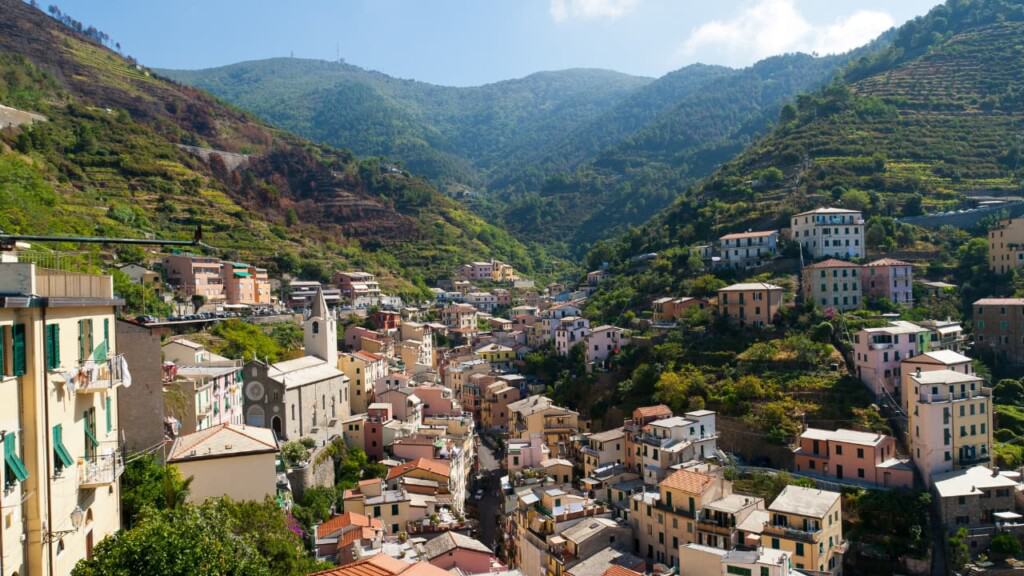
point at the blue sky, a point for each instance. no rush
(469, 42)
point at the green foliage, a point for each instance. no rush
(764, 485)
(139, 298)
(958, 553)
(317, 505)
(294, 453)
(147, 484)
(892, 523)
(250, 341)
(219, 538)
(1005, 544)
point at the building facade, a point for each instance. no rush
(60, 375)
(999, 328)
(829, 232)
(749, 249)
(832, 284)
(750, 304)
(1006, 246)
(889, 279)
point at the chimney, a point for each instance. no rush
(918, 374)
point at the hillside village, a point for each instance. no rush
(474, 456)
(807, 360)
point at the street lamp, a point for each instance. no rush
(77, 515)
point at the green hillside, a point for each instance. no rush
(109, 161)
(655, 156)
(917, 125)
(454, 136)
(562, 158)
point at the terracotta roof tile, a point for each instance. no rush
(831, 263)
(429, 464)
(616, 570)
(687, 481)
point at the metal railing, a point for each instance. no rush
(99, 376)
(100, 470)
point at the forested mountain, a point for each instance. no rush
(455, 136)
(679, 139)
(110, 160)
(562, 158)
(915, 125)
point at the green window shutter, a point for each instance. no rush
(82, 355)
(90, 435)
(110, 421)
(61, 457)
(18, 350)
(56, 346)
(3, 344)
(52, 334)
(14, 468)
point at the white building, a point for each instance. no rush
(602, 343)
(830, 232)
(878, 353)
(749, 249)
(571, 331)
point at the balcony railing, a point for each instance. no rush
(100, 470)
(791, 533)
(99, 377)
(948, 396)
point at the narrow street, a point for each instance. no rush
(490, 506)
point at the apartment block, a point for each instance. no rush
(603, 448)
(889, 279)
(750, 304)
(807, 524)
(195, 276)
(852, 455)
(833, 284)
(602, 343)
(927, 362)
(360, 289)
(60, 376)
(879, 352)
(829, 232)
(245, 284)
(665, 443)
(744, 250)
(571, 331)
(668, 310)
(365, 372)
(1006, 245)
(950, 421)
(539, 415)
(999, 328)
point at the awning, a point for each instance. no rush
(242, 274)
(1007, 515)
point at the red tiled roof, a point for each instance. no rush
(340, 521)
(616, 570)
(645, 411)
(691, 482)
(438, 467)
(832, 263)
(379, 565)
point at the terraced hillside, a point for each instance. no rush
(112, 160)
(914, 126)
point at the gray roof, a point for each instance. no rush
(597, 563)
(809, 502)
(450, 541)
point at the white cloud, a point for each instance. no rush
(768, 27)
(562, 10)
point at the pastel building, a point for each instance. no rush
(602, 343)
(749, 249)
(852, 455)
(195, 275)
(668, 310)
(245, 284)
(927, 362)
(950, 421)
(829, 232)
(832, 284)
(360, 289)
(750, 304)
(878, 353)
(807, 524)
(366, 372)
(571, 331)
(1006, 245)
(230, 460)
(61, 374)
(889, 279)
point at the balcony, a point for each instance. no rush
(791, 533)
(927, 398)
(100, 471)
(94, 378)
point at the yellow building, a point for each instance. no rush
(950, 421)
(808, 524)
(1006, 245)
(539, 415)
(59, 381)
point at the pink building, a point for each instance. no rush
(851, 455)
(437, 400)
(452, 550)
(523, 454)
(195, 275)
(889, 279)
(413, 447)
(354, 336)
(878, 353)
(245, 284)
(571, 331)
(604, 342)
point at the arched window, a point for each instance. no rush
(316, 327)
(256, 416)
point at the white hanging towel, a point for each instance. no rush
(126, 376)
